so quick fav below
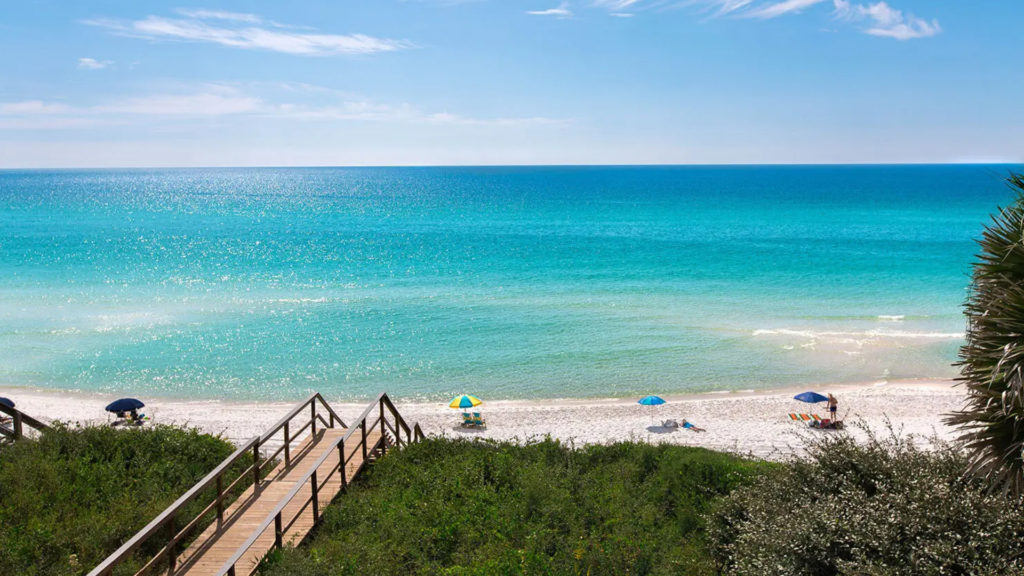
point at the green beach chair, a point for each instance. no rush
(467, 420)
(477, 420)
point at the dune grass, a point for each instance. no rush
(475, 507)
(71, 498)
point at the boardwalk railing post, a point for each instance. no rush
(278, 532)
(171, 560)
(220, 500)
(18, 432)
(287, 441)
(316, 500)
(256, 468)
(362, 424)
(341, 464)
(312, 415)
(383, 430)
(399, 423)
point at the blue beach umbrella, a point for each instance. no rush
(811, 397)
(7, 402)
(124, 405)
(651, 401)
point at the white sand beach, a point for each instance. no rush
(748, 422)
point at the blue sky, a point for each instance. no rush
(412, 82)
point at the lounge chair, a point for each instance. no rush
(478, 421)
(467, 420)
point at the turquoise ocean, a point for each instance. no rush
(504, 282)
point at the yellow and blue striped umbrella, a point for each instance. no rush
(465, 401)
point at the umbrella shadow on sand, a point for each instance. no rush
(659, 429)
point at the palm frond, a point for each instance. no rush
(992, 359)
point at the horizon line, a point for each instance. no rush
(551, 165)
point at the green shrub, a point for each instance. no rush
(880, 507)
(71, 498)
(474, 507)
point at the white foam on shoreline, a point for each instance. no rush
(858, 335)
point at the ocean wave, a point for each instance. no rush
(127, 321)
(892, 317)
(858, 336)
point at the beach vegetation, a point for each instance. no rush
(456, 506)
(992, 359)
(73, 496)
(881, 506)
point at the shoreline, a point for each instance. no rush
(753, 422)
(940, 381)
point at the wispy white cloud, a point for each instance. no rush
(616, 5)
(212, 100)
(93, 64)
(730, 6)
(886, 21)
(207, 103)
(562, 11)
(32, 108)
(220, 15)
(882, 19)
(222, 101)
(621, 14)
(776, 9)
(247, 31)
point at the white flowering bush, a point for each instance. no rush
(881, 507)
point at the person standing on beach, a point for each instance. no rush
(833, 406)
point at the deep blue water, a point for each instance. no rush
(504, 282)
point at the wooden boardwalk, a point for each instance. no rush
(215, 546)
(312, 465)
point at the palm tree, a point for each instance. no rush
(992, 360)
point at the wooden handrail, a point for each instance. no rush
(274, 517)
(19, 420)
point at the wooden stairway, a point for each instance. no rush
(281, 507)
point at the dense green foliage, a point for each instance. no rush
(881, 507)
(992, 360)
(465, 507)
(69, 499)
